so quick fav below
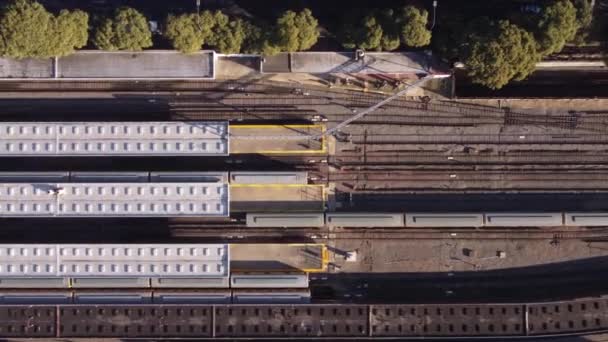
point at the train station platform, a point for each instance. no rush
(278, 257)
(266, 139)
(277, 197)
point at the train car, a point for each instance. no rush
(596, 219)
(268, 280)
(114, 265)
(112, 297)
(443, 220)
(294, 220)
(194, 138)
(364, 220)
(114, 199)
(192, 297)
(268, 297)
(523, 219)
(35, 297)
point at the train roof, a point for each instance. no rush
(285, 220)
(364, 219)
(523, 219)
(269, 280)
(113, 138)
(586, 219)
(92, 265)
(443, 220)
(113, 199)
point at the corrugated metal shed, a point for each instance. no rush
(113, 261)
(523, 219)
(113, 138)
(443, 220)
(364, 220)
(114, 199)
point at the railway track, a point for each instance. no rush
(311, 322)
(472, 139)
(398, 158)
(237, 232)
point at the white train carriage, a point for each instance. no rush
(114, 266)
(360, 220)
(519, 219)
(287, 220)
(449, 220)
(72, 139)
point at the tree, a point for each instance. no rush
(413, 30)
(501, 53)
(390, 30)
(188, 32)
(584, 17)
(556, 26)
(259, 40)
(297, 31)
(127, 30)
(27, 30)
(227, 35)
(370, 37)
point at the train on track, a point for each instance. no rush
(427, 220)
(156, 296)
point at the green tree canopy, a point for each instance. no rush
(385, 30)
(127, 30)
(297, 31)
(188, 32)
(499, 54)
(227, 36)
(556, 26)
(584, 17)
(413, 30)
(259, 40)
(390, 30)
(370, 36)
(27, 29)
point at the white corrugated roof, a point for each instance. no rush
(113, 138)
(134, 260)
(113, 199)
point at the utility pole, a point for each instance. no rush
(198, 6)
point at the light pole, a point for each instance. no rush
(434, 12)
(198, 6)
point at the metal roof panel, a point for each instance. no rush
(114, 199)
(114, 138)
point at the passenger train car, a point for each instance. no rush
(427, 220)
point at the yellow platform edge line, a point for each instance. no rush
(262, 185)
(279, 126)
